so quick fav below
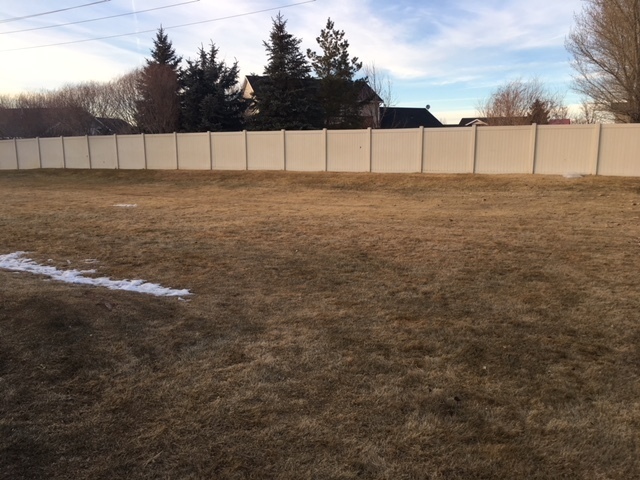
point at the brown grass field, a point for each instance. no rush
(341, 326)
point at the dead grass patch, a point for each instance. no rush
(343, 326)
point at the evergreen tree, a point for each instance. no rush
(158, 107)
(340, 96)
(286, 98)
(163, 52)
(210, 99)
(539, 112)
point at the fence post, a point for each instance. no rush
(326, 149)
(39, 152)
(284, 149)
(15, 148)
(595, 158)
(175, 144)
(144, 150)
(246, 150)
(88, 151)
(210, 151)
(115, 144)
(64, 153)
(474, 140)
(370, 134)
(421, 149)
(534, 139)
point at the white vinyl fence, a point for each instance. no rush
(545, 149)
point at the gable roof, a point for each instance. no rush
(255, 83)
(56, 121)
(469, 121)
(109, 126)
(495, 121)
(43, 122)
(407, 117)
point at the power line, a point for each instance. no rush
(154, 30)
(15, 19)
(100, 18)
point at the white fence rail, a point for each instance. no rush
(544, 149)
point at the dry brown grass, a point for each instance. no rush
(343, 326)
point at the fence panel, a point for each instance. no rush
(76, 152)
(306, 151)
(265, 150)
(161, 151)
(620, 150)
(448, 150)
(193, 151)
(349, 150)
(52, 152)
(564, 149)
(504, 150)
(229, 151)
(103, 152)
(396, 151)
(8, 157)
(547, 149)
(28, 153)
(131, 152)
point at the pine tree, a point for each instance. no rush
(286, 98)
(210, 98)
(539, 112)
(163, 52)
(158, 107)
(340, 95)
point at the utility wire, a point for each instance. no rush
(154, 30)
(100, 18)
(15, 19)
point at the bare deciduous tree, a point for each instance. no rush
(158, 107)
(514, 103)
(590, 113)
(158, 87)
(605, 44)
(380, 83)
(42, 114)
(124, 96)
(72, 108)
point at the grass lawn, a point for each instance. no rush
(341, 326)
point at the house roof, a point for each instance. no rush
(496, 121)
(469, 121)
(407, 117)
(254, 83)
(109, 126)
(43, 122)
(56, 121)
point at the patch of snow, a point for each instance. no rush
(126, 205)
(17, 263)
(572, 175)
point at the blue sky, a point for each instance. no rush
(449, 54)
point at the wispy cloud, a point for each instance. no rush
(436, 47)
